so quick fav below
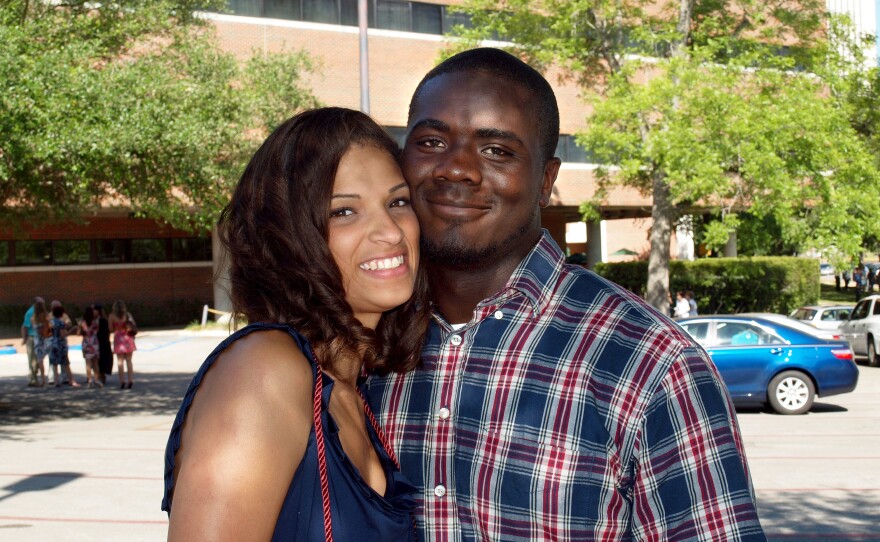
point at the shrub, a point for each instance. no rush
(731, 285)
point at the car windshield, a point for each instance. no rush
(804, 314)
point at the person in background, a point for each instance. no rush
(58, 350)
(105, 351)
(274, 439)
(124, 329)
(27, 338)
(692, 303)
(549, 403)
(42, 336)
(88, 328)
(682, 307)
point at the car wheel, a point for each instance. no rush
(791, 392)
(873, 360)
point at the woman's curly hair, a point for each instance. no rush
(280, 265)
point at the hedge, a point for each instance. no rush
(731, 285)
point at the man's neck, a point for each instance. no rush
(457, 290)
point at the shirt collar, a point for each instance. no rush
(536, 276)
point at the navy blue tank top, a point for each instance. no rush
(357, 511)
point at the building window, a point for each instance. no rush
(191, 249)
(282, 9)
(348, 12)
(245, 7)
(427, 18)
(321, 11)
(33, 252)
(149, 250)
(72, 252)
(418, 17)
(451, 19)
(111, 251)
(569, 151)
(4, 253)
(398, 133)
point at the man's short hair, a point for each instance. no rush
(509, 69)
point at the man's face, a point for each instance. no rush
(474, 164)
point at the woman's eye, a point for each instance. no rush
(400, 202)
(341, 212)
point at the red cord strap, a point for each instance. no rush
(322, 459)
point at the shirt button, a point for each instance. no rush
(456, 340)
(440, 490)
(499, 315)
(443, 413)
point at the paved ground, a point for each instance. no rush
(86, 465)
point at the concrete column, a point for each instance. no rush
(220, 267)
(730, 247)
(596, 248)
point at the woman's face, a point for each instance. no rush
(373, 233)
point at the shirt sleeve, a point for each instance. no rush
(691, 479)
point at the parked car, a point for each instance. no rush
(826, 269)
(774, 360)
(829, 317)
(862, 330)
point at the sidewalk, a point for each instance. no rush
(87, 464)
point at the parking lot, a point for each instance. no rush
(87, 464)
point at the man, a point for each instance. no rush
(551, 404)
(27, 338)
(692, 303)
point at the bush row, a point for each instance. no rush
(731, 285)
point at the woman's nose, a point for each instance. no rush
(384, 229)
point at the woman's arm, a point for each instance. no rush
(242, 441)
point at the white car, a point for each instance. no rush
(862, 330)
(828, 317)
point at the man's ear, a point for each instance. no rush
(551, 170)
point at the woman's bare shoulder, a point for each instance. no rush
(243, 438)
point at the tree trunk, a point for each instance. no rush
(663, 214)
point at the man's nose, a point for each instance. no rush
(461, 163)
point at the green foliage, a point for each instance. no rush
(130, 104)
(731, 285)
(695, 104)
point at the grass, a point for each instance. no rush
(830, 296)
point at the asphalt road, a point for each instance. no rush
(86, 464)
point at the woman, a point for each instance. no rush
(42, 334)
(274, 439)
(88, 327)
(105, 351)
(124, 330)
(61, 326)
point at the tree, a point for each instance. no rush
(129, 104)
(695, 104)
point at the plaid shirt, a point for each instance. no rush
(567, 409)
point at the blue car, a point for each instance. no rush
(774, 359)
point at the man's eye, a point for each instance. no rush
(430, 142)
(341, 212)
(496, 151)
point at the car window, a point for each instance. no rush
(803, 314)
(743, 334)
(843, 314)
(697, 330)
(861, 310)
(829, 315)
(876, 308)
